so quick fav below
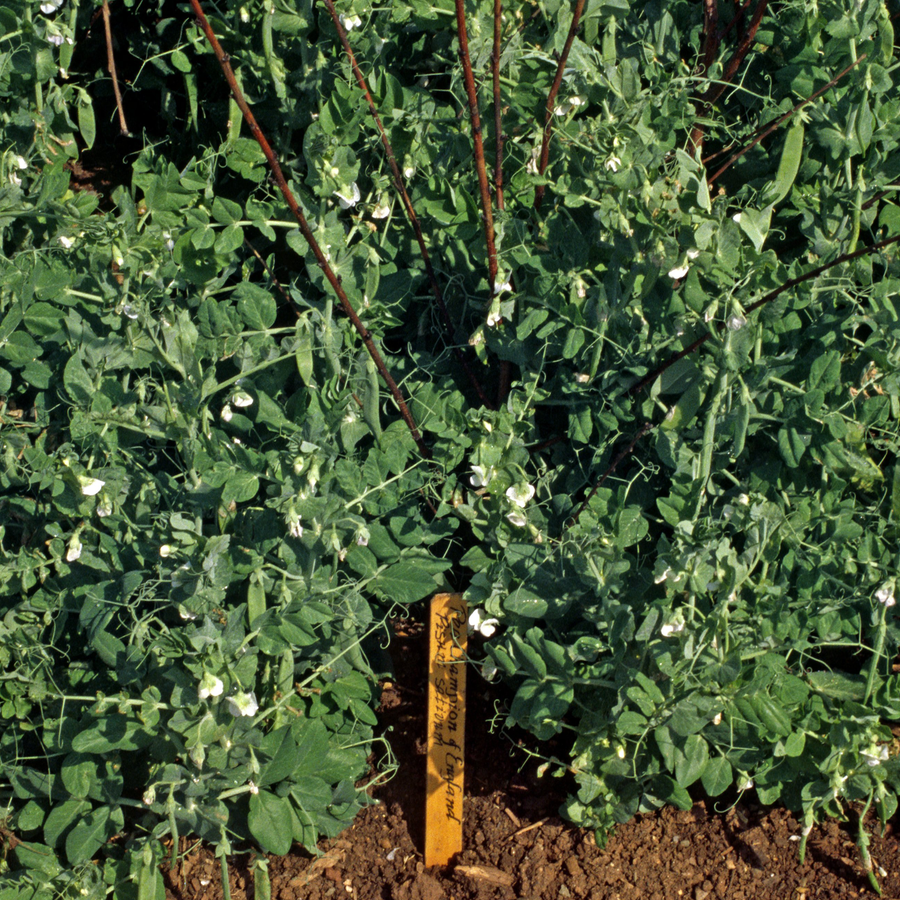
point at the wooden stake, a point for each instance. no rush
(446, 729)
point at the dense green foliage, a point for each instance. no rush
(210, 504)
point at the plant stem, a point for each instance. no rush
(400, 187)
(111, 67)
(478, 143)
(781, 120)
(551, 101)
(793, 282)
(306, 231)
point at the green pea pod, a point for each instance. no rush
(742, 423)
(791, 155)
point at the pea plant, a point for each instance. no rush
(587, 309)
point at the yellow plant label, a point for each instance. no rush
(446, 729)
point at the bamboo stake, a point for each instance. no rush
(446, 729)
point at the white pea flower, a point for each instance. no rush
(362, 539)
(67, 243)
(14, 179)
(295, 529)
(409, 171)
(679, 272)
(170, 243)
(745, 784)
(489, 670)
(165, 551)
(149, 797)
(663, 576)
(520, 494)
(517, 518)
(501, 284)
(736, 218)
(693, 253)
(885, 595)
(484, 627)
(620, 752)
(74, 551)
(569, 105)
(351, 22)
(21, 162)
(494, 318)
(743, 499)
(673, 627)
(345, 200)
(382, 211)
(482, 476)
(49, 7)
(184, 612)
(717, 719)
(582, 377)
(210, 686)
(227, 413)
(243, 704)
(55, 38)
(104, 507)
(736, 322)
(531, 167)
(242, 399)
(613, 163)
(253, 788)
(245, 15)
(90, 486)
(875, 754)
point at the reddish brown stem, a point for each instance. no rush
(498, 108)
(551, 101)
(305, 230)
(477, 142)
(625, 452)
(711, 51)
(716, 90)
(400, 187)
(111, 66)
(767, 298)
(781, 119)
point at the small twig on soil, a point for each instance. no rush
(512, 817)
(111, 66)
(400, 187)
(782, 119)
(478, 143)
(530, 827)
(551, 100)
(324, 265)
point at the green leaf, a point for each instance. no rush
(691, 760)
(269, 822)
(404, 582)
(717, 776)
(92, 832)
(256, 306)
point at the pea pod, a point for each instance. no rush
(788, 166)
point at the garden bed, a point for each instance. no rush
(516, 846)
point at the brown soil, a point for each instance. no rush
(517, 847)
